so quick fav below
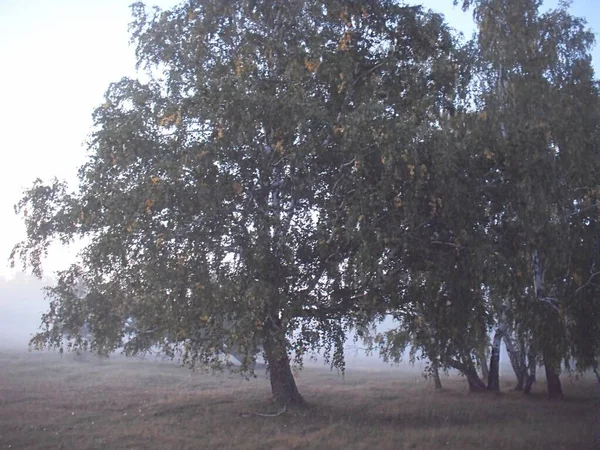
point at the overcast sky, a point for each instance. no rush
(57, 58)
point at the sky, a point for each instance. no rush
(57, 59)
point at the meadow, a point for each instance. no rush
(53, 402)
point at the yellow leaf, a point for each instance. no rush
(237, 187)
(483, 115)
(345, 40)
(411, 170)
(148, 204)
(154, 179)
(361, 218)
(279, 146)
(338, 129)
(435, 204)
(488, 154)
(172, 119)
(311, 66)
(398, 202)
(239, 67)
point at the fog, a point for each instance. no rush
(22, 304)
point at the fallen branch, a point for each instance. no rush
(251, 413)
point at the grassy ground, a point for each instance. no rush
(49, 403)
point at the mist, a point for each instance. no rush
(22, 303)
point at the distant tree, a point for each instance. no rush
(217, 204)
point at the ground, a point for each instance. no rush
(49, 402)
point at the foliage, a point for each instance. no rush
(217, 202)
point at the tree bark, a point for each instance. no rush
(470, 372)
(532, 371)
(482, 360)
(475, 383)
(552, 377)
(550, 319)
(517, 360)
(436, 376)
(529, 383)
(283, 384)
(494, 373)
(520, 381)
(554, 384)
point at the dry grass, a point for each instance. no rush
(49, 403)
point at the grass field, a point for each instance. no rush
(48, 402)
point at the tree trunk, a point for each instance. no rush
(517, 360)
(532, 370)
(436, 376)
(597, 372)
(529, 382)
(552, 377)
(550, 320)
(482, 360)
(283, 384)
(475, 383)
(554, 384)
(470, 372)
(494, 373)
(520, 381)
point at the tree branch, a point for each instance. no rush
(588, 282)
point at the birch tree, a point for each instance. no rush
(539, 118)
(214, 202)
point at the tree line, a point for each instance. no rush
(292, 171)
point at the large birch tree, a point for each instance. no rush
(214, 203)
